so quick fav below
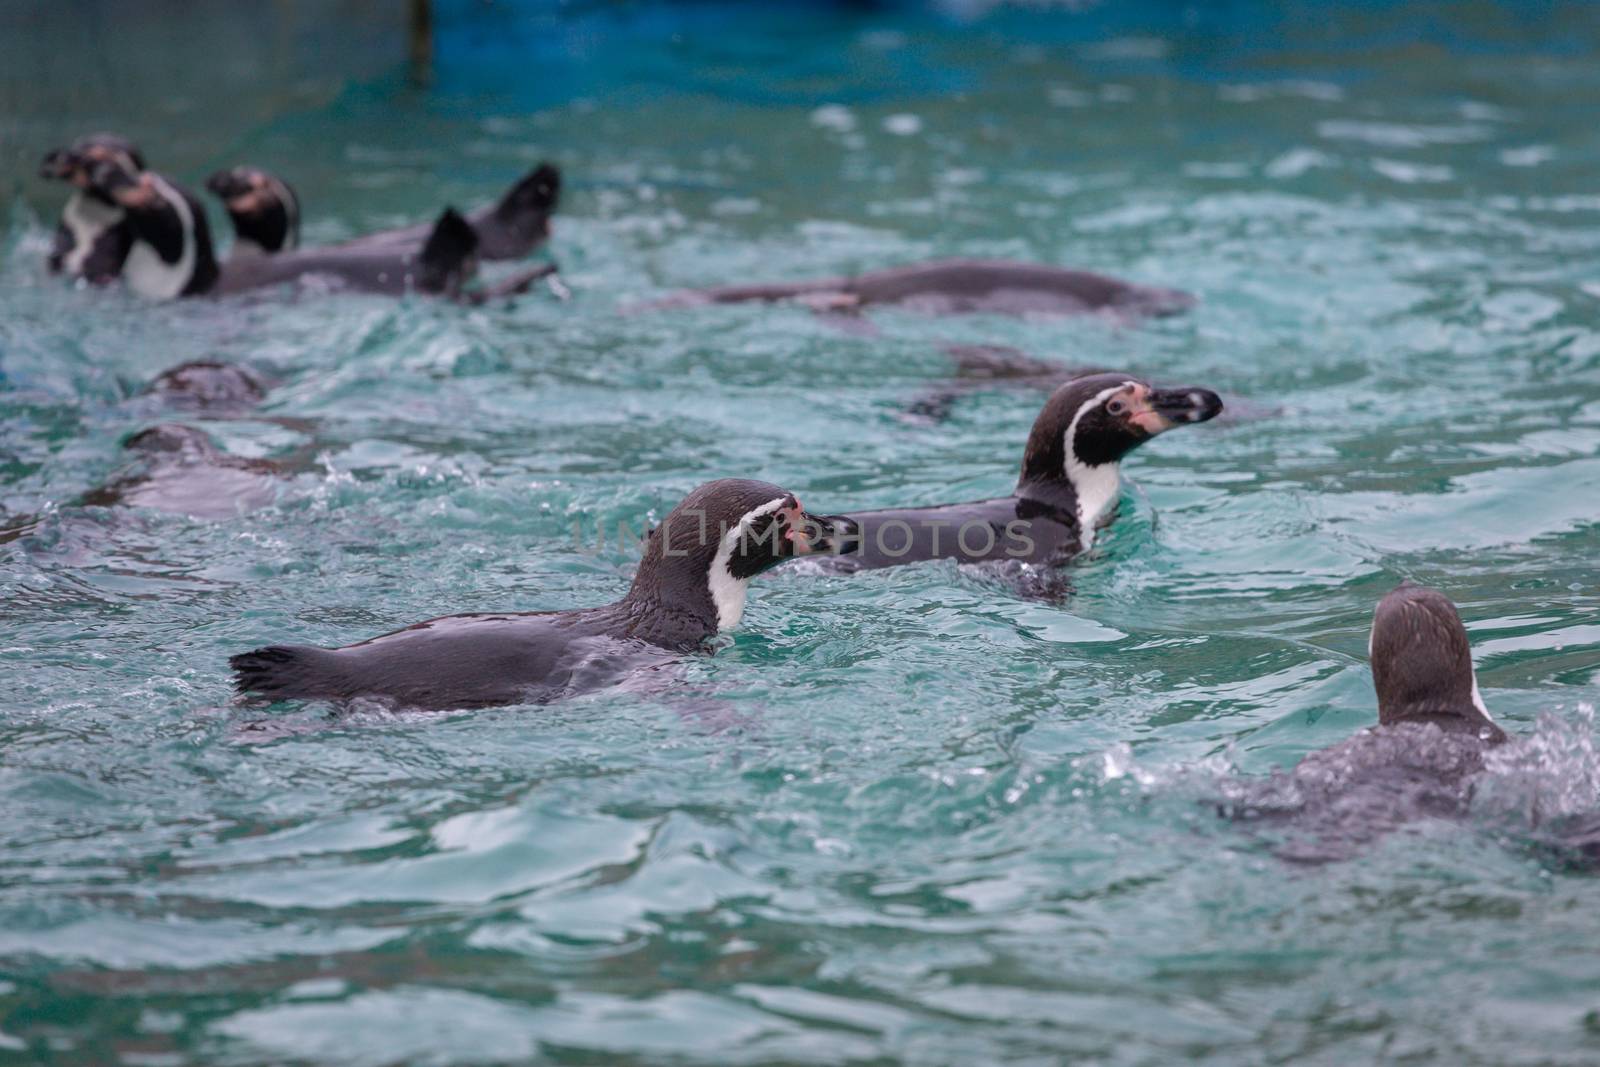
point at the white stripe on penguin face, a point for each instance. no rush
(728, 592)
(1096, 486)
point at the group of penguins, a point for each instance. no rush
(126, 221)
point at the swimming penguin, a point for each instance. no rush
(690, 586)
(181, 471)
(93, 237)
(1069, 481)
(172, 254)
(960, 286)
(177, 469)
(209, 386)
(1432, 735)
(266, 215)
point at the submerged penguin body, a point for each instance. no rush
(961, 286)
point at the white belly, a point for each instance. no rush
(146, 272)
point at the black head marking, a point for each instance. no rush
(722, 535)
(76, 163)
(1106, 416)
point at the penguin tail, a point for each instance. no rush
(520, 222)
(449, 256)
(537, 192)
(285, 671)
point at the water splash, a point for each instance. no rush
(1549, 775)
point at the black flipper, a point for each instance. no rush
(520, 222)
(449, 257)
(280, 672)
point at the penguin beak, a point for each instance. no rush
(1158, 410)
(810, 535)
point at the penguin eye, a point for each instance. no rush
(1117, 406)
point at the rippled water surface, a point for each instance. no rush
(906, 817)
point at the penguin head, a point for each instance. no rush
(1093, 421)
(701, 558)
(1422, 660)
(75, 163)
(207, 385)
(264, 209)
(170, 439)
(113, 181)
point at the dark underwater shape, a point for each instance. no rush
(208, 386)
(960, 286)
(183, 472)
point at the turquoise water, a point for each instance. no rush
(905, 817)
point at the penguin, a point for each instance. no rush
(1419, 761)
(177, 469)
(263, 208)
(93, 237)
(690, 586)
(266, 215)
(960, 286)
(208, 386)
(172, 254)
(1069, 482)
(182, 472)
